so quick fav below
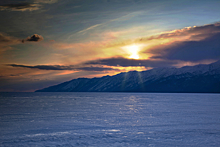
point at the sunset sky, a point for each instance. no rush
(47, 42)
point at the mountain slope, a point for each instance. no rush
(199, 78)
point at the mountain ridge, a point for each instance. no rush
(199, 79)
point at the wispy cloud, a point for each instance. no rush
(26, 6)
(128, 16)
(89, 28)
(20, 7)
(122, 18)
(6, 41)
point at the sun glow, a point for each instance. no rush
(133, 51)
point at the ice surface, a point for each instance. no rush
(109, 119)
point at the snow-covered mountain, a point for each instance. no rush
(199, 78)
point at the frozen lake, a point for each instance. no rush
(109, 119)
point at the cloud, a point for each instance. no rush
(6, 41)
(89, 28)
(124, 62)
(20, 7)
(26, 6)
(46, 1)
(208, 49)
(123, 18)
(35, 38)
(44, 67)
(194, 33)
(95, 69)
(59, 67)
(203, 44)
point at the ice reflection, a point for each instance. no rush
(131, 104)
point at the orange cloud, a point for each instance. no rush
(194, 33)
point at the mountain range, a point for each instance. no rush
(188, 79)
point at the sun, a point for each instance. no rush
(133, 51)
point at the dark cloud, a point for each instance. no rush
(96, 69)
(34, 37)
(20, 7)
(59, 67)
(120, 61)
(207, 49)
(43, 67)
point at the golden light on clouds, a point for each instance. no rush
(131, 68)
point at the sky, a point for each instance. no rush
(47, 42)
